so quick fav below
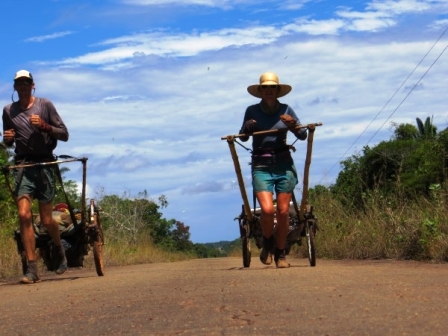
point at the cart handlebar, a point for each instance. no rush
(311, 127)
(38, 164)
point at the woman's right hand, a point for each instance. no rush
(249, 126)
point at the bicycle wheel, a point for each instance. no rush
(98, 241)
(98, 258)
(311, 244)
(246, 251)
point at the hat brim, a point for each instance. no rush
(284, 90)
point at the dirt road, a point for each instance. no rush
(219, 297)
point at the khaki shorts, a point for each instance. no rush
(37, 182)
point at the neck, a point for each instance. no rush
(26, 102)
(269, 108)
(271, 103)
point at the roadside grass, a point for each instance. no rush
(116, 253)
(386, 228)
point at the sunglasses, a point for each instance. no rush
(264, 87)
(23, 82)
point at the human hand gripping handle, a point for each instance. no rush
(41, 124)
(9, 135)
(292, 126)
(288, 121)
(249, 126)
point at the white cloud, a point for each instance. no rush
(49, 37)
(150, 108)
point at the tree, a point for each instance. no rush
(427, 130)
(129, 218)
(410, 162)
(8, 209)
(181, 237)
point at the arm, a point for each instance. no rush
(291, 120)
(8, 131)
(55, 127)
(249, 125)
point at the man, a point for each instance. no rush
(273, 168)
(34, 126)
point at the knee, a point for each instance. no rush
(24, 216)
(283, 212)
(268, 212)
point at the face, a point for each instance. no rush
(269, 92)
(23, 85)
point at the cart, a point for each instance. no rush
(302, 221)
(85, 232)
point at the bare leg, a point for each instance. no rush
(283, 200)
(267, 212)
(26, 227)
(46, 215)
(52, 227)
(267, 225)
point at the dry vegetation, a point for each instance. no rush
(384, 229)
(115, 254)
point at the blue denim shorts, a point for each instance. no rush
(37, 182)
(281, 177)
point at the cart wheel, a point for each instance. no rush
(98, 257)
(246, 251)
(311, 244)
(98, 244)
(98, 240)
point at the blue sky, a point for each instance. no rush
(148, 87)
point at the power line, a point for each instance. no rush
(390, 99)
(418, 82)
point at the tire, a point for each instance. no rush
(98, 257)
(246, 251)
(311, 244)
(98, 241)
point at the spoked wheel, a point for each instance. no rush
(98, 257)
(310, 236)
(98, 240)
(246, 251)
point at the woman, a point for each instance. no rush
(272, 165)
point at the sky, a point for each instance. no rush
(147, 88)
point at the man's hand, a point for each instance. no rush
(38, 122)
(288, 121)
(9, 135)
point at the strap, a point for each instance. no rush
(70, 209)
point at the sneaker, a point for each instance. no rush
(280, 259)
(265, 254)
(30, 278)
(60, 261)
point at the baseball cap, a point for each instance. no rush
(23, 73)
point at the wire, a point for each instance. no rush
(418, 82)
(390, 99)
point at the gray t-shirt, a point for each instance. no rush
(29, 140)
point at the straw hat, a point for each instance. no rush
(269, 78)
